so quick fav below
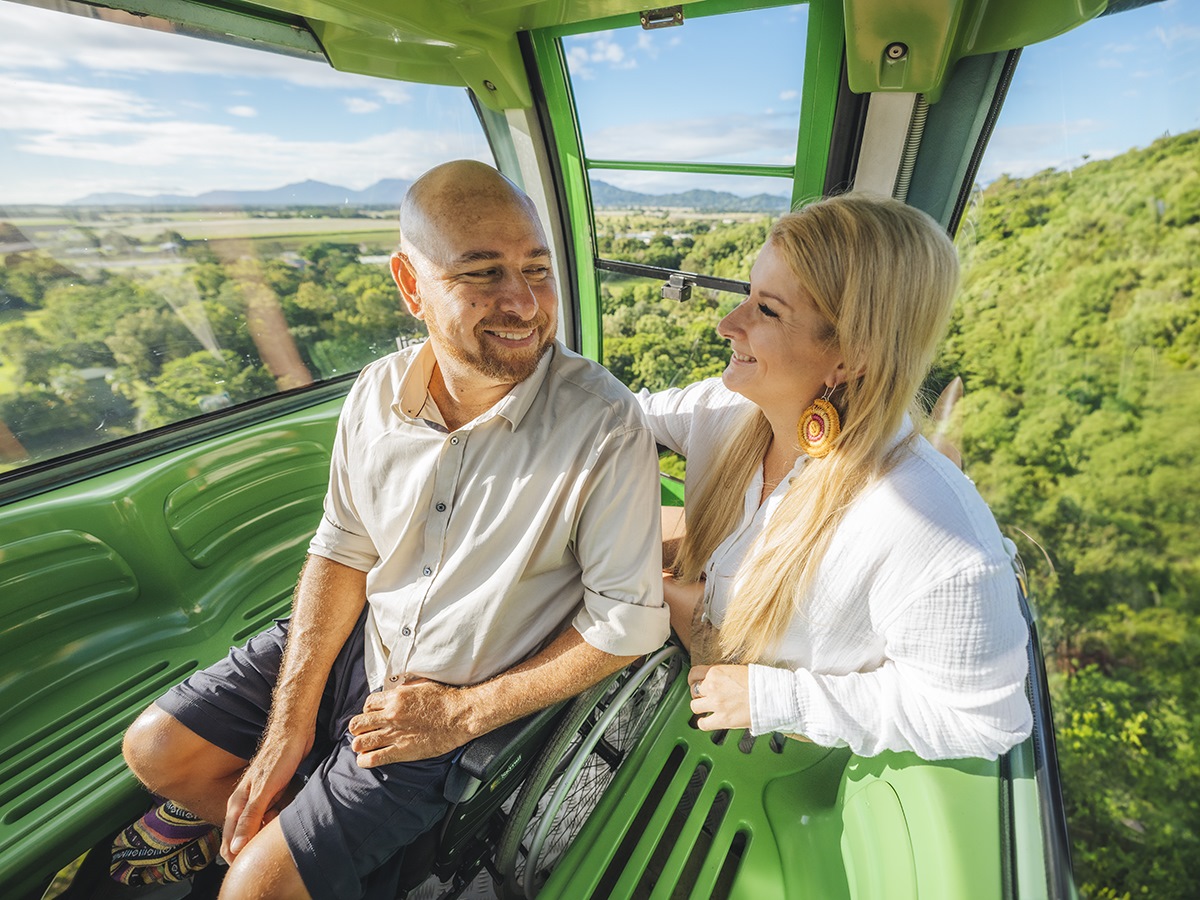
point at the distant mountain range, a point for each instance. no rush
(390, 191)
(606, 196)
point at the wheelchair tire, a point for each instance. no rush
(599, 730)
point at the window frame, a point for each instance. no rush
(823, 65)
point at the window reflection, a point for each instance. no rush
(188, 226)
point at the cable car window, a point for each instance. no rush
(1078, 339)
(186, 226)
(693, 138)
(718, 89)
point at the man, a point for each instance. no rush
(489, 546)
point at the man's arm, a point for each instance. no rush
(617, 545)
(424, 718)
(328, 601)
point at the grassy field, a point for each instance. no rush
(208, 225)
(224, 228)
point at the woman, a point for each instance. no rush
(860, 591)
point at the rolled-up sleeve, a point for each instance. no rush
(341, 535)
(617, 544)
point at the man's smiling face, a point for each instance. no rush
(482, 282)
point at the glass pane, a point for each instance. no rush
(1078, 340)
(689, 196)
(718, 89)
(654, 343)
(186, 226)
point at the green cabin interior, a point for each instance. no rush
(124, 569)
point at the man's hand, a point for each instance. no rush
(256, 799)
(416, 720)
(720, 696)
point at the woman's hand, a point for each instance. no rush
(681, 598)
(720, 696)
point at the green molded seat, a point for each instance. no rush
(700, 815)
(116, 588)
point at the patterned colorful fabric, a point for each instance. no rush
(166, 844)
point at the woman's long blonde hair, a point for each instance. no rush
(883, 275)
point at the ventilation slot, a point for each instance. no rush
(637, 827)
(704, 840)
(729, 869)
(666, 843)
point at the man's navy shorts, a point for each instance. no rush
(347, 826)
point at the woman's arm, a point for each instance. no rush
(952, 684)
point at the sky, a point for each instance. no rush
(89, 106)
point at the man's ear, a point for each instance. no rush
(405, 277)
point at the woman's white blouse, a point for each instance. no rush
(911, 637)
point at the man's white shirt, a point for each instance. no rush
(483, 543)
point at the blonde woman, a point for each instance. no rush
(849, 578)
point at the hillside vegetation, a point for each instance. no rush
(1077, 335)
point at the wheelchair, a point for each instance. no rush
(519, 795)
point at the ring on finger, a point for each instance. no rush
(696, 690)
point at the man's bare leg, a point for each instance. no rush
(175, 762)
(264, 870)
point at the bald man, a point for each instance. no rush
(489, 546)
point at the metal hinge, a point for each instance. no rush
(663, 17)
(677, 287)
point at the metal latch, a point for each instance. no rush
(678, 287)
(663, 17)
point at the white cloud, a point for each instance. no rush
(1177, 34)
(728, 138)
(789, 94)
(394, 93)
(360, 106)
(242, 112)
(584, 55)
(118, 140)
(116, 48)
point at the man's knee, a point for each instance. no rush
(161, 752)
(264, 870)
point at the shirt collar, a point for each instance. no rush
(414, 388)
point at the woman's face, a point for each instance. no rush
(781, 359)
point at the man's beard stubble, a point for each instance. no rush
(494, 362)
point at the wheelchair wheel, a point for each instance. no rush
(600, 729)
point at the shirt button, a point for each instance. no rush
(441, 507)
(406, 631)
(454, 440)
(427, 571)
(394, 678)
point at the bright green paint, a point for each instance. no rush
(576, 195)
(937, 33)
(821, 823)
